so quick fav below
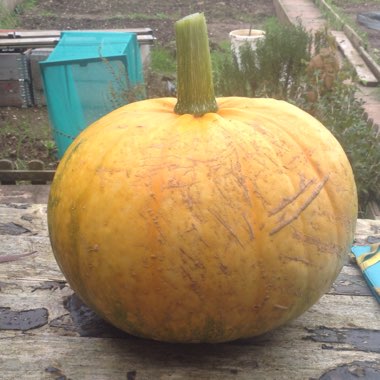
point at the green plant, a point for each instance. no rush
(342, 112)
(162, 61)
(7, 19)
(121, 90)
(48, 13)
(281, 57)
(24, 6)
(51, 148)
(274, 69)
(227, 76)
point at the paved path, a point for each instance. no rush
(312, 19)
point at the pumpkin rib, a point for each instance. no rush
(262, 249)
(324, 180)
(259, 244)
(331, 195)
(320, 187)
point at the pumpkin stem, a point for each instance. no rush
(195, 89)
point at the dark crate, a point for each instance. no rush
(34, 57)
(13, 66)
(15, 93)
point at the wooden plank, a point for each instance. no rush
(367, 228)
(26, 175)
(350, 282)
(13, 33)
(32, 217)
(7, 165)
(365, 75)
(144, 36)
(22, 293)
(26, 194)
(63, 338)
(374, 210)
(28, 42)
(284, 355)
(334, 309)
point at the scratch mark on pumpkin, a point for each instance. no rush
(302, 208)
(288, 200)
(200, 161)
(186, 258)
(226, 226)
(281, 307)
(193, 284)
(242, 183)
(250, 228)
(224, 269)
(297, 259)
(221, 192)
(323, 246)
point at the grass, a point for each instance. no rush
(8, 20)
(47, 14)
(163, 61)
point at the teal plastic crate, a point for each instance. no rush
(88, 75)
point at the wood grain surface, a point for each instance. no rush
(46, 332)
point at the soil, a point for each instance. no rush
(21, 144)
(25, 135)
(351, 9)
(159, 15)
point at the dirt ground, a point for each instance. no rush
(351, 9)
(160, 15)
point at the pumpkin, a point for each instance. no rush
(220, 220)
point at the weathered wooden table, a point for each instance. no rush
(46, 332)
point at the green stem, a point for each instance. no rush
(195, 90)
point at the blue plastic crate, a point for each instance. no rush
(88, 75)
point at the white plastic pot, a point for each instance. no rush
(240, 37)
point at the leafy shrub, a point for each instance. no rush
(342, 113)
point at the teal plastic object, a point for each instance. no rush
(88, 75)
(368, 259)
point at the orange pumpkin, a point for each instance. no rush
(207, 228)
